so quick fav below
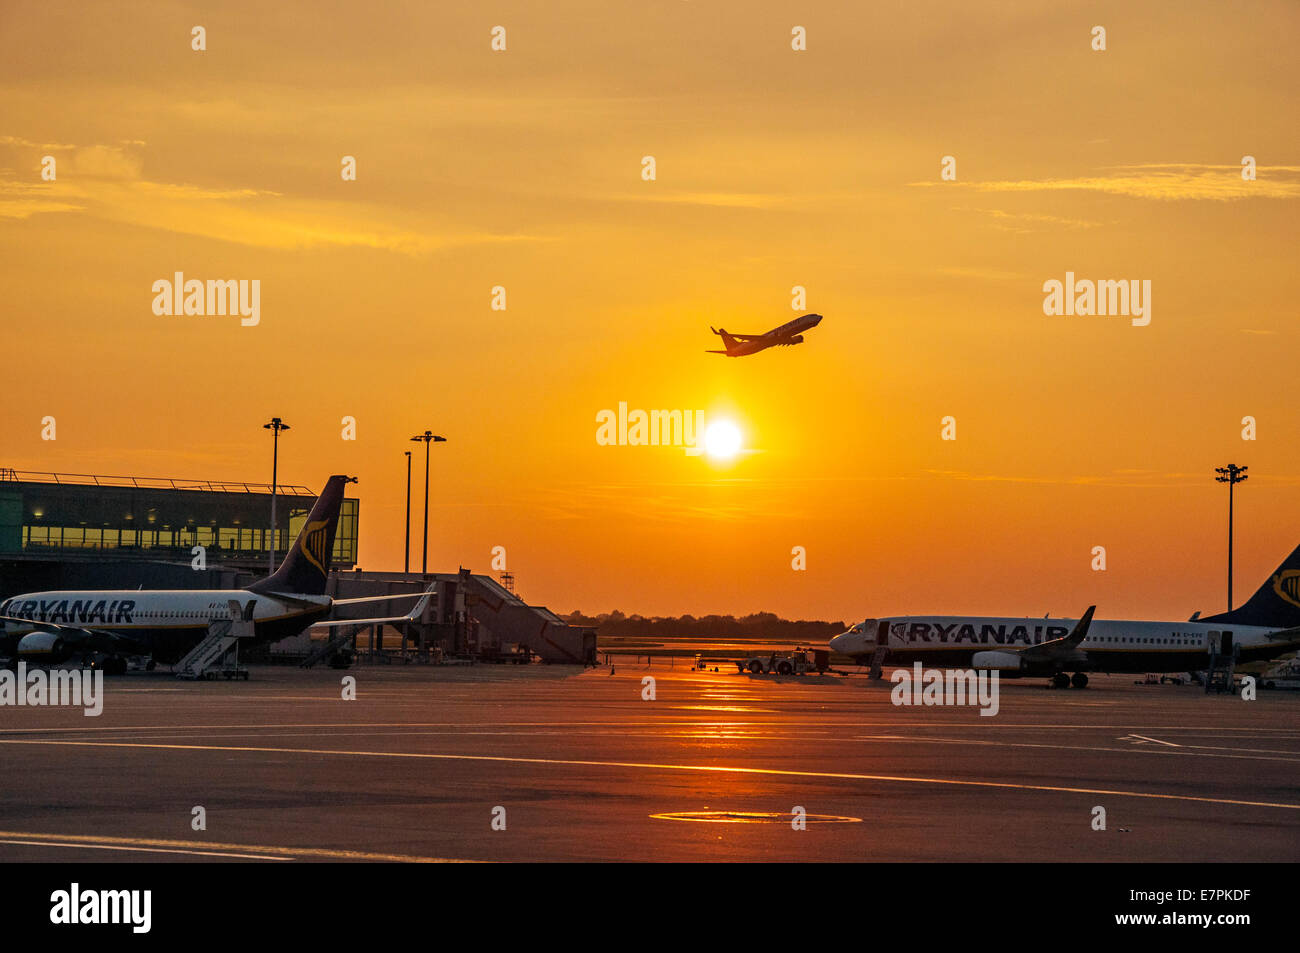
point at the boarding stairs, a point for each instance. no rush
(208, 658)
(1218, 677)
(878, 661)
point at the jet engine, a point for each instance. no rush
(44, 647)
(1006, 663)
(797, 339)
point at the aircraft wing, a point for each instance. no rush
(1064, 646)
(331, 623)
(308, 601)
(295, 599)
(416, 611)
(400, 595)
(746, 337)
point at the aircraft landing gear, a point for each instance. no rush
(1062, 680)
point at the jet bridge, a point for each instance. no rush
(471, 616)
(502, 619)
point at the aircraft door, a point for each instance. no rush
(1225, 643)
(882, 635)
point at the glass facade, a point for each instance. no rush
(159, 521)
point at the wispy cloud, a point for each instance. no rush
(20, 200)
(29, 144)
(1019, 222)
(1163, 181)
(105, 182)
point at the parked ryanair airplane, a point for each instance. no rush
(1267, 626)
(52, 627)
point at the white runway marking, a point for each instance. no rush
(689, 734)
(145, 691)
(145, 850)
(246, 851)
(1142, 739)
(653, 766)
(1206, 751)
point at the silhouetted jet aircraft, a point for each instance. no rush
(738, 345)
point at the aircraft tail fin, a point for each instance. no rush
(306, 567)
(727, 340)
(1080, 631)
(1276, 604)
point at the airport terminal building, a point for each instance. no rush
(78, 531)
(67, 531)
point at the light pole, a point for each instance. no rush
(428, 437)
(276, 425)
(1231, 475)
(407, 567)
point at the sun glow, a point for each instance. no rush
(722, 440)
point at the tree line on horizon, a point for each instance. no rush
(766, 625)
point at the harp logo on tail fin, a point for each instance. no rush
(313, 544)
(1287, 586)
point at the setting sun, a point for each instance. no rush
(722, 440)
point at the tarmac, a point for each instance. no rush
(576, 765)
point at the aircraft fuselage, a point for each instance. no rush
(169, 622)
(1110, 646)
(787, 334)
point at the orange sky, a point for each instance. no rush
(775, 168)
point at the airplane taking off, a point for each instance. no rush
(52, 627)
(1267, 626)
(739, 345)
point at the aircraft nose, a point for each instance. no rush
(841, 643)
